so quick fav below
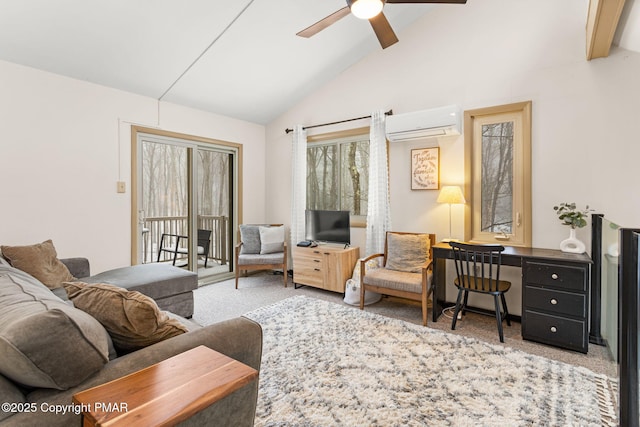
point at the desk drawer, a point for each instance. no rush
(555, 301)
(559, 276)
(555, 330)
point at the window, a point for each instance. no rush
(498, 171)
(338, 172)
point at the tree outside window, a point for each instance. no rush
(338, 174)
(497, 178)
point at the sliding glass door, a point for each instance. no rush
(185, 203)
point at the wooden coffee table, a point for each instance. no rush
(166, 393)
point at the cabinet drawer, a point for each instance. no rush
(555, 330)
(308, 263)
(307, 254)
(308, 276)
(555, 301)
(560, 276)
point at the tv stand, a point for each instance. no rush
(326, 267)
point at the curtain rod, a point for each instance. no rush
(387, 113)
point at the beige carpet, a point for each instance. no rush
(327, 364)
(221, 301)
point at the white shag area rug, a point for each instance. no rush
(326, 364)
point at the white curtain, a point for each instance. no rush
(379, 213)
(298, 183)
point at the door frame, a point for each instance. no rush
(135, 133)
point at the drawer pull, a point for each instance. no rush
(554, 301)
(554, 329)
(316, 269)
(554, 276)
(316, 252)
(316, 260)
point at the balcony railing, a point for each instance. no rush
(154, 227)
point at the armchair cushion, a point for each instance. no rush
(250, 237)
(398, 280)
(257, 259)
(271, 239)
(407, 252)
(39, 260)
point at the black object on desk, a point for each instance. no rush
(555, 293)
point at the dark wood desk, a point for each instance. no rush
(555, 293)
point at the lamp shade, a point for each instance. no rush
(451, 194)
(365, 9)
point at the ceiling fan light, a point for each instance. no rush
(366, 9)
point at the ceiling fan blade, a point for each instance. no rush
(383, 30)
(324, 23)
(428, 1)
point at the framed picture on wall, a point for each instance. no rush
(425, 168)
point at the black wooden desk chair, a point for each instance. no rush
(478, 270)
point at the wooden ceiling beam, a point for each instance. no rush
(602, 21)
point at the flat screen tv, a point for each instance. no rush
(328, 226)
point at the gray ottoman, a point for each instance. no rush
(171, 287)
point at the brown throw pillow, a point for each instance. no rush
(132, 319)
(407, 252)
(39, 260)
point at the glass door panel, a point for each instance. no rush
(164, 199)
(609, 287)
(215, 208)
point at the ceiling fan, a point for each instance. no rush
(371, 10)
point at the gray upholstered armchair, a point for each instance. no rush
(406, 269)
(261, 247)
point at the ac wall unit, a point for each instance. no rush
(443, 121)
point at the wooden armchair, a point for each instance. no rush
(406, 269)
(261, 247)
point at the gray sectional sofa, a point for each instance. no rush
(50, 350)
(170, 287)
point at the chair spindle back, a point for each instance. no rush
(477, 266)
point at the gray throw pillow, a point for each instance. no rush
(250, 237)
(45, 342)
(407, 252)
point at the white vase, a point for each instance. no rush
(572, 244)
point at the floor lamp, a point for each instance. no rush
(451, 194)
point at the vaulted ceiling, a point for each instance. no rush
(236, 58)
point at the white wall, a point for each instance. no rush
(491, 52)
(65, 143)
